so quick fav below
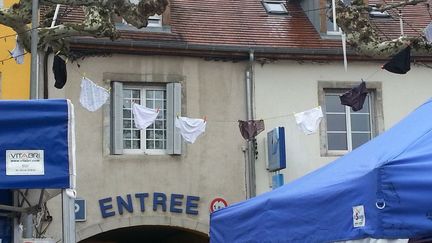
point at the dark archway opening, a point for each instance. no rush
(151, 234)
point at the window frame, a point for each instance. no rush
(375, 106)
(375, 13)
(348, 118)
(336, 30)
(115, 130)
(267, 3)
(154, 21)
(143, 139)
(150, 24)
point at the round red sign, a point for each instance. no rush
(217, 204)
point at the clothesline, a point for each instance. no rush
(93, 97)
(423, 64)
(404, 21)
(259, 118)
(264, 119)
(13, 35)
(9, 58)
(83, 75)
(235, 121)
(372, 74)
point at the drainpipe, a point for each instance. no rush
(34, 51)
(250, 165)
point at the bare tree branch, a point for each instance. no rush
(364, 39)
(401, 4)
(353, 20)
(97, 24)
(98, 21)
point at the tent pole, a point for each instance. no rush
(68, 218)
(27, 219)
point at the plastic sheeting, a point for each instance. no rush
(35, 144)
(381, 190)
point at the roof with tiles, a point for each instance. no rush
(244, 23)
(415, 19)
(213, 24)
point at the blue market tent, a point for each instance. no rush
(36, 144)
(381, 190)
(37, 160)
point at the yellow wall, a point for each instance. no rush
(15, 78)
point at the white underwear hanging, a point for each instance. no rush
(308, 121)
(18, 53)
(92, 96)
(143, 116)
(190, 128)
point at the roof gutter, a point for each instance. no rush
(168, 47)
(126, 45)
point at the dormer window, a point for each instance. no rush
(155, 21)
(375, 13)
(332, 27)
(274, 7)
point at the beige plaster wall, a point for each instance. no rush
(211, 167)
(294, 88)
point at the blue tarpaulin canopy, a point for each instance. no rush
(36, 144)
(381, 190)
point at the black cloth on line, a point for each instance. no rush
(355, 97)
(399, 63)
(249, 129)
(60, 72)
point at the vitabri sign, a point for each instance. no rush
(25, 162)
(174, 203)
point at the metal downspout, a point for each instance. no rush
(250, 166)
(34, 51)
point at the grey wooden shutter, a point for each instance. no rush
(117, 118)
(173, 109)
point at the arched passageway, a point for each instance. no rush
(151, 234)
